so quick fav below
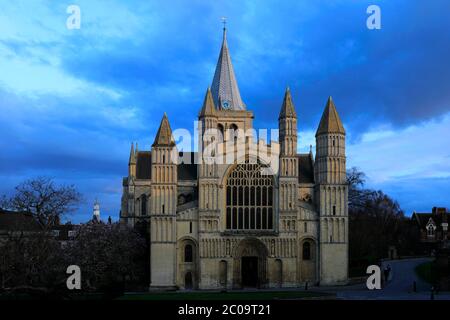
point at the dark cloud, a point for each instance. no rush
(397, 75)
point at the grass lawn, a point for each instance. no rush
(193, 295)
(427, 272)
(204, 295)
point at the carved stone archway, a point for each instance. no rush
(308, 260)
(247, 250)
(187, 259)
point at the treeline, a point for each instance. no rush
(376, 222)
(113, 257)
(33, 261)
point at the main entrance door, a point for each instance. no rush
(250, 264)
(249, 271)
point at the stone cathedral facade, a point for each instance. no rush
(226, 216)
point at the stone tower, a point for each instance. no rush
(331, 196)
(96, 211)
(208, 176)
(288, 176)
(163, 208)
(208, 179)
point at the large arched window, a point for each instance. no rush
(249, 197)
(188, 256)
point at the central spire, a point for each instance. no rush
(224, 88)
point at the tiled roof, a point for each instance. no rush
(330, 121)
(423, 218)
(188, 170)
(144, 165)
(224, 88)
(208, 108)
(287, 108)
(11, 220)
(164, 136)
(132, 159)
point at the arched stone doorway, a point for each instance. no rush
(188, 281)
(187, 258)
(250, 264)
(308, 258)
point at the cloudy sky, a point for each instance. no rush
(71, 101)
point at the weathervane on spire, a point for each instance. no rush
(224, 21)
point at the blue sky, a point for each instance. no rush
(71, 101)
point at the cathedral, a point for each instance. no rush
(240, 212)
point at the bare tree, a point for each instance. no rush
(355, 178)
(31, 262)
(43, 199)
(30, 258)
(376, 222)
(357, 195)
(109, 255)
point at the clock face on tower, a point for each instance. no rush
(226, 105)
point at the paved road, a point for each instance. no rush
(398, 287)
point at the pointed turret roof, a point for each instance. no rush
(224, 88)
(330, 121)
(132, 155)
(287, 109)
(208, 108)
(164, 135)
